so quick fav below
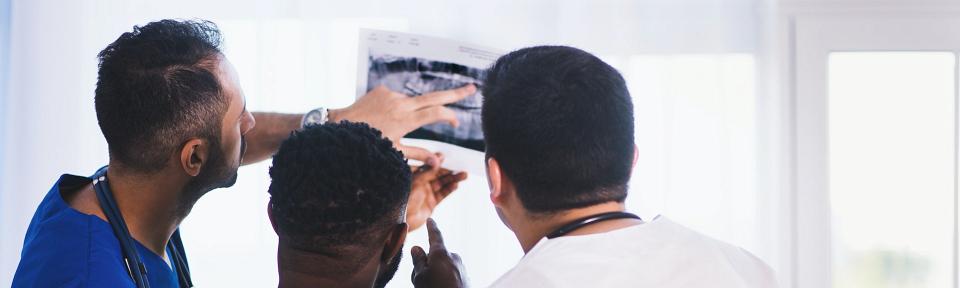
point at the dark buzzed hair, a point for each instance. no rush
(156, 88)
(560, 123)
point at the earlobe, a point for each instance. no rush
(394, 243)
(193, 155)
(494, 180)
(270, 216)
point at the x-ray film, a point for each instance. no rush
(415, 65)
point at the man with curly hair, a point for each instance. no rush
(337, 201)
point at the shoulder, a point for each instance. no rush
(524, 276)
(65, 248)
(752, 270)
(669, 254)
(749, 268)
(77, 253)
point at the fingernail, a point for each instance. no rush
(422, 169)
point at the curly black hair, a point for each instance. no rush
(156, 88)
(336, 186)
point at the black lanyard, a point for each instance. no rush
(579, 223)
(131, 257)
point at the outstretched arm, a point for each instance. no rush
(393, 113)
(265, 138)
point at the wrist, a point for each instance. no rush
(335, 115)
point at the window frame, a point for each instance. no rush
(814, 37)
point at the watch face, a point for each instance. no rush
(314, 117)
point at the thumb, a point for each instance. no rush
(417, 153)
(419, 258)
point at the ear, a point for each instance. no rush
(495, 181)
(394, 243)
(636, 154)
(193, 155)
(270, 216)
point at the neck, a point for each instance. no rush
(535, 227)
(151, 205)
(299, 268)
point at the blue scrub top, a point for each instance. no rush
(66, 248)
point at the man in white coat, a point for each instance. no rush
(558, 124)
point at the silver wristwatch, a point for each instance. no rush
(315, 117)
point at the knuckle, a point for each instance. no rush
(449, 113)
(438, 112)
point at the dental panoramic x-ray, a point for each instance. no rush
(416, 65)
(415, 76)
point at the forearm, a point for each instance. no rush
(265, 138)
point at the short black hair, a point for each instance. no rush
(156, 88)
(560, 123)
(336, 187)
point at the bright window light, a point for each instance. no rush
(891, 168)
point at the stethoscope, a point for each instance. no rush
(127, 245)
(589, 220)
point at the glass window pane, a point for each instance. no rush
(891, 168)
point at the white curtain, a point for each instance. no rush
(697, 71)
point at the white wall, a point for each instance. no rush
(5, 120)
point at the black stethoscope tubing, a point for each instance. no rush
(135, 266)
(589, 220)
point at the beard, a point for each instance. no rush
(231, 170)
(220, 173)
(387, 274)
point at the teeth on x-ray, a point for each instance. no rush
(417, 76)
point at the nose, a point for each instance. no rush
(252, 122)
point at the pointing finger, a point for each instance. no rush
(444, 97)
(436, 114)
(436, 239)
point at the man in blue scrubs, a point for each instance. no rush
(174, 117)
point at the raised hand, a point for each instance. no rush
(431, 184)
(440, 268)
(397, 114)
